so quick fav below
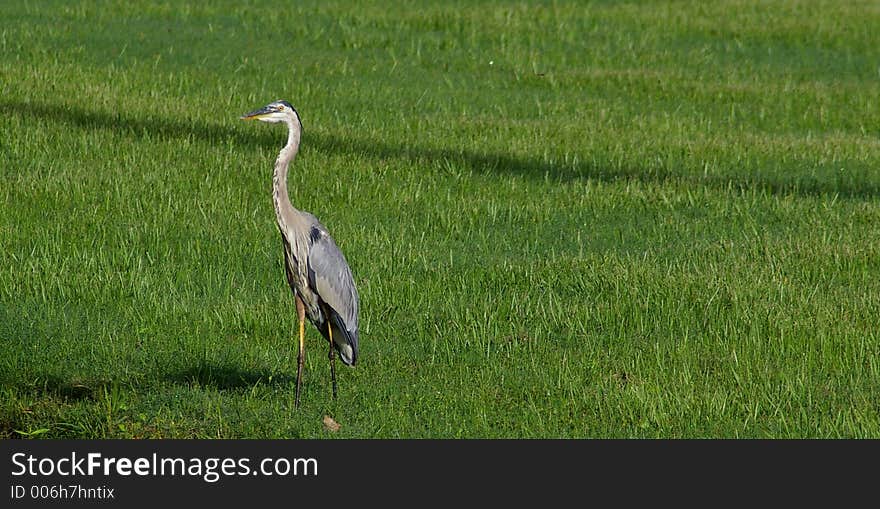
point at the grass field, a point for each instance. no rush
(565, 219)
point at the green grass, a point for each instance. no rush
(565, 219)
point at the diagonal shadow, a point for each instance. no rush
(226, 377)
(486, 163)
(70, 391)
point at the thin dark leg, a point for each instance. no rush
(301, 315)
(332, 356)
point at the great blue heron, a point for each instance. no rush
(317, 272)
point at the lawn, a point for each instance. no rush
(565, 219)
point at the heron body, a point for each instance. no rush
(316, 269)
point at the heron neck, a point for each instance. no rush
(280, 197)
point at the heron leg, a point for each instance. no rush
(332, 356)
(301, 315)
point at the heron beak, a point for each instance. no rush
(254, 115)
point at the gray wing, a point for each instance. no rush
(330, 277)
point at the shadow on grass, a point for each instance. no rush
(47, 391)
(227, 377)
(69, 391)
(486, 163)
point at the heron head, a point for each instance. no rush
(278, 111)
